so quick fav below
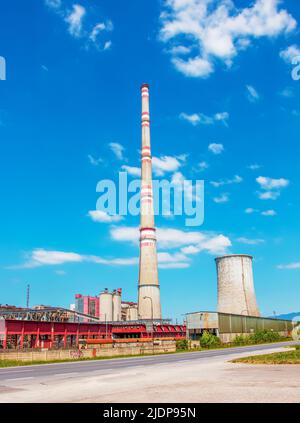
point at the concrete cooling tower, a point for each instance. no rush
(236, 293)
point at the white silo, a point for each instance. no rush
(132, 313)
(236, 294)
(106, 306)
(117, 300)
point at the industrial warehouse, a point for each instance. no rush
(108, 320)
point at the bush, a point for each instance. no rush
(259, 337)
(182, 344)
(208, 340)
(241, 340)
(264, 336)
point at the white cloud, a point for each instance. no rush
(107, 45)
(194, 67)
(216, 148)
(201, 118)
(99, 29)
(268, 195)
(54, 4)
(203, 165)
(180, 50)
(250, 210)
(74, 20)
(263, 213)
(102, 216)
(252, 94)
(235, 180)
(164, 164)
(172, 261)
(249, 241)
(270, 183)
(194, 118)
(254, 166)
(288, 92)
(178, 265)
(113, 262)
(271, 187)
(41, 257)
(216, 244)
(169, 238)
(134, 171)
(290, 53)
(178, 179)
(190, 249)
(222, 117)
(223, 198)
(125, 233)
(269, 213)
(94, 161)
(216, 31)
(78, 25)
(289, 266)
(117, 149)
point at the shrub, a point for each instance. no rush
(241, 340)
(259, 337)
(182, 344)
(208, 340)
(263, 336)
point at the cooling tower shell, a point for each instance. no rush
(106, 306)
(116, 299)
(236, 294)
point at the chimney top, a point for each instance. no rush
(144, 86)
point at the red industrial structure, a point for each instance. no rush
(19, 334)
(87, 305)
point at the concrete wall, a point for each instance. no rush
(109, 350)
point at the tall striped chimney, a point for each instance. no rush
(149, 292)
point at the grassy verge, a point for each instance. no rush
(233, 345)
(288, 357)
(16, 363)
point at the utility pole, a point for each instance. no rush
(27, 296)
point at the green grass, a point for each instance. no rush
(233, 345)
(16, 363)
(288, 357)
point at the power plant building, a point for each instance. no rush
(107, 307)
(227, 326)
(236, 294)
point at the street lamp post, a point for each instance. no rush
(149, 298)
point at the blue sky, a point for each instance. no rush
(224, 108)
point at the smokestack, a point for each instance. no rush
(236, 294)
(149, 292)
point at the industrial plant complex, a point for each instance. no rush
(107, 319)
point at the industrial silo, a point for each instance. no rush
(132, 313)
(116, 300)
(236, 294)
(106, 306)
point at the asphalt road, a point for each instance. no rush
(106, 366)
